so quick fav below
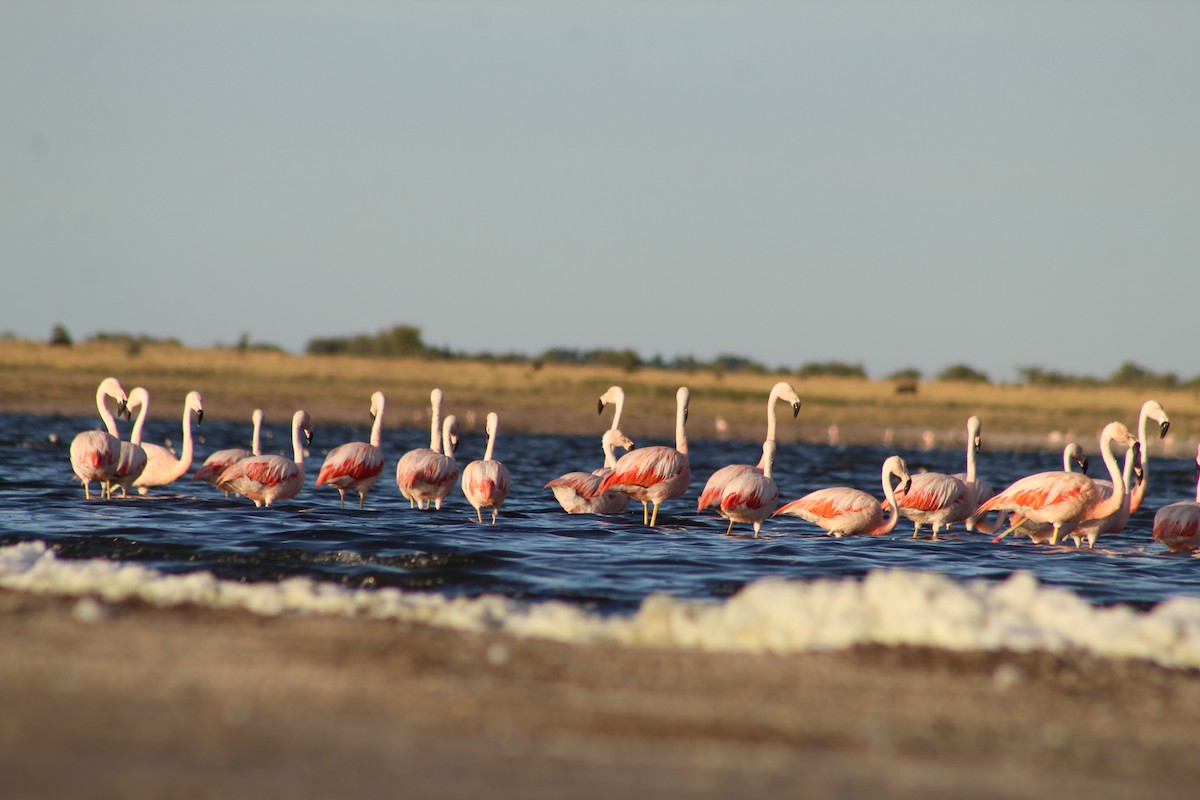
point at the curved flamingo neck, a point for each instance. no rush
(435, 421)
(297, 442)
(619, 405)
(889, 524)
(185, 453)
(1138, 493)
(771, 422)
(256, 440)
(972, 434)
(610, 457)
(1114, 502)
(144, 407)
(447, 443)
(110, 424)
(493, 424)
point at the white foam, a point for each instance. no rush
(891, 607)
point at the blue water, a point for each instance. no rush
(536, 551)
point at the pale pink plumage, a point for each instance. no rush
(1065, 499)
(94, 454)
(654, 474)
(356, 466)
(752, 496)
(485, 483)
(162, 467)
(579, 492)
(132, 462)
(714, 488)
(845, 511)
(1151, 410)
(210, 471)
(934, 499)
(268, 479)
(426, 475)
(1178, 525)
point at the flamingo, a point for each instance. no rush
(714, 489)
(1073, 456)
(1065, 499)
(751, 496)
(133, 456)
(655, 474)
(219, 461)
(161, 466)
(426, 475)
(485, 483)
(94, 454)
(843, 511)
(578, 492)
(978, 489)
(1178, 525)
(356, 466)
(267, 479)
(1150, 410)
(1131, 476)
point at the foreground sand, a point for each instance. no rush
(140, 702)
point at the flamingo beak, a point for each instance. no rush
(977, 444)
(795, 409)
(1083, 462)
(600, 406)
(904, 487)
(308, 437)
(199, 416)
(1137, 456)
(1162, 429)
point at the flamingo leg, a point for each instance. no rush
(729, 530)
(479, 513)
(654, 516)
(1057, 533)
(495, 513)
(362, 500)
(645, 513)
(342, 494)
(916, 530)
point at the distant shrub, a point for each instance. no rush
(963, 374)
(1130, 374)
(906, 374)
(61, 337)
(831, 369)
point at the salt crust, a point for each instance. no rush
(891, 607)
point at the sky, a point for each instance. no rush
(892, 184)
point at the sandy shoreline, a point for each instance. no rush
(137, 701)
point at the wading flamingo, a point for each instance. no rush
(843, 511)
(267, 479)
(356, 466)
(133, 455)
(978, 489)
(1040, 532)
(426, 475)
(1067, 498)
(94, 454)
(934, 499)
(1178, 525)
(714, 489)
(655, 474)
(219, 461)
(753, 495)
(1151, 410)
(579, 492)
(485, 483)
(161, 466)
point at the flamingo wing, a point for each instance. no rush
(645, 468)
(260, 470)
(711, 496)
(1042, 491)
(218, 462)
(930, 491)
(424, 467)
(583, 484)
(749, 492)
(1178, 525)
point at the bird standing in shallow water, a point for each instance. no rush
(845, 511)
(356, 466)
(655, 474)
(269, 479)
(485, 483)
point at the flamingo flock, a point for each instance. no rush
(1047, 507)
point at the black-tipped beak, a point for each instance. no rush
(904, 487)
(1137, 456)
(977, 444)
(632, 446)
(1138, 473)
(308, 437)
(123, 410)
(1083, 465)
(795, 409)
(599, 406)
(199, 416)
(1162, 430)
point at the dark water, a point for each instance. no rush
(537, 551)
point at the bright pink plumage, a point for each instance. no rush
(268, 479)
(354, 466)
(1178, 525)
(934, 499)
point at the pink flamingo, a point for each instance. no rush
(133, 456)
(843, 511)
(426, 475)
(485, 483)
(356, 466)
(268, 479)
(655, 474)
(1065, 499)
(978, 489)
(219, 461)
(162, 467)
(1073, 456)
(751, 496)
(1178, 525)
(579, 492)
(714, 489)
(94, 454)
(1150, 410)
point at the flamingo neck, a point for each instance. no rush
(136, 436)
(256, 440)
(297, 446)
(771, 423)
(1113, 503)
(681, 443)
(185, 453)
(377, 428)
(491, 446)
(435, 427)
(889, 524)
(110, 424)
(1137, 493)
(610, 457)
(970, 455)
(620, 405)
(447, 443)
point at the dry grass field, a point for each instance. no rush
(39, 378)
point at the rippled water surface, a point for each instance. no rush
(537, 551)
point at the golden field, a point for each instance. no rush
(40, 378)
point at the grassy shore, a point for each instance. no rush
(39, 378)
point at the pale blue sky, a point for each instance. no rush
(894, 184)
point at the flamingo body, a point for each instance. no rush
(485, 483)
(934, 499)
(162, 467)
(752, 496)
(654, 474)
(579, 492)
(210, 471)
(1178, 525)
(846, 511)
(356, 466)
(95, 454)
(426, 475)
(133, 458)
(268, 479)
